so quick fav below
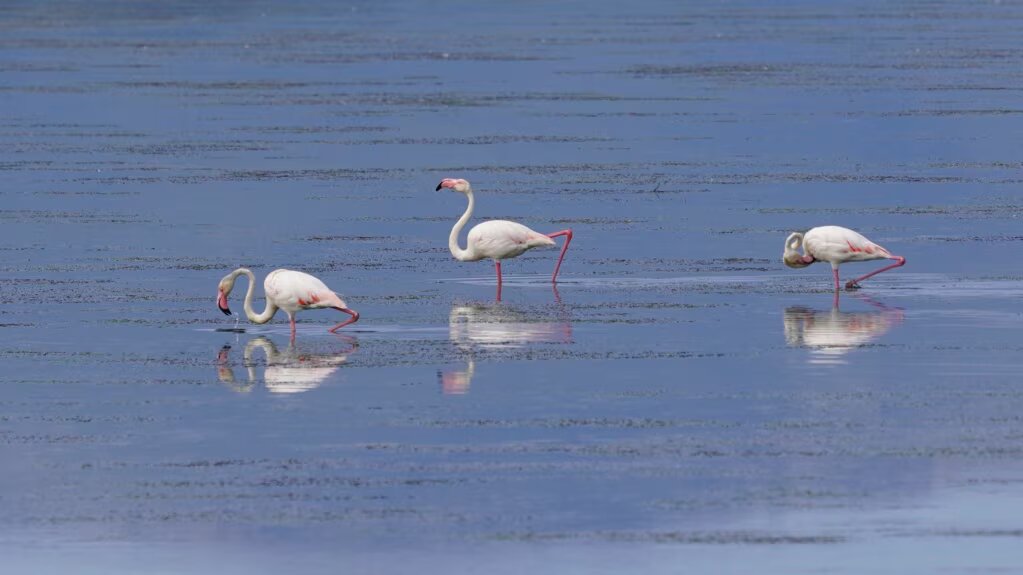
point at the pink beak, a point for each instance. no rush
(445, 183)
(222, 302)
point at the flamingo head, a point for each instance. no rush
(792, 257)
(224, 290)
(455, 184)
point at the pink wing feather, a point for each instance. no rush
(298, 290)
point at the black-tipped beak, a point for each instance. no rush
(222, 303)
(439, 186)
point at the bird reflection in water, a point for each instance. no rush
(830, 335)
(290, 371)
(477, 328)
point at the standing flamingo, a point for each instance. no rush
(836, 245)
(287, 290)
(497, 239)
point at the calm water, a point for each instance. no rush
(681, 400)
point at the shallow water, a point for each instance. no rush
(681, 398)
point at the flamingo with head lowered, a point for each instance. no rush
(288, 290)
(497, 239)
(836, 245)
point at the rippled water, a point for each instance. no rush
(681, 401)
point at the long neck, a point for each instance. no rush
(270, 310)
(456, 251)
(793, 244)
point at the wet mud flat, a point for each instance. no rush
(679, 399)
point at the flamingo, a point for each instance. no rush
(288, 290)
(497, 239)
(836, 245)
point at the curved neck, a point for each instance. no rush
(270, 310)
(456, 251)
(793, 244)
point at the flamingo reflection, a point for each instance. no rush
(290, 371)
(475, 328)
(830, 335)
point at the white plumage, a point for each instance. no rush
(287, 290)
(501, 239)
(291, 291)
(497, 239)
(835, 245)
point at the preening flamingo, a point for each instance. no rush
(288, 290)
(497, 239)
(836, 245)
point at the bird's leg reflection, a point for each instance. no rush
(353, 344)
(498, 264)
(874, 303)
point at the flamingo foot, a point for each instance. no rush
(353, 319)
(852, 285)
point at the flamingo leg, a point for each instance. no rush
(899, 262)
(838, 283)
(498, 265)
(353, 319)
(568, 239)
(291, 318)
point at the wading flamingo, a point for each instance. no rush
(497, 239)
(836, 245)
(287, 290)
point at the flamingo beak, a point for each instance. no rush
(445, 183)
(222, 302)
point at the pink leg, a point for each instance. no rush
(292, 318)
(353, 319)
(837, 283)
(568, 239)
(899, 262)
(498, 263)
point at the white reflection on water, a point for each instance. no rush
(831, 334)
(290, 371)
(480, 327)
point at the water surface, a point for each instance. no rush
(680, 399)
